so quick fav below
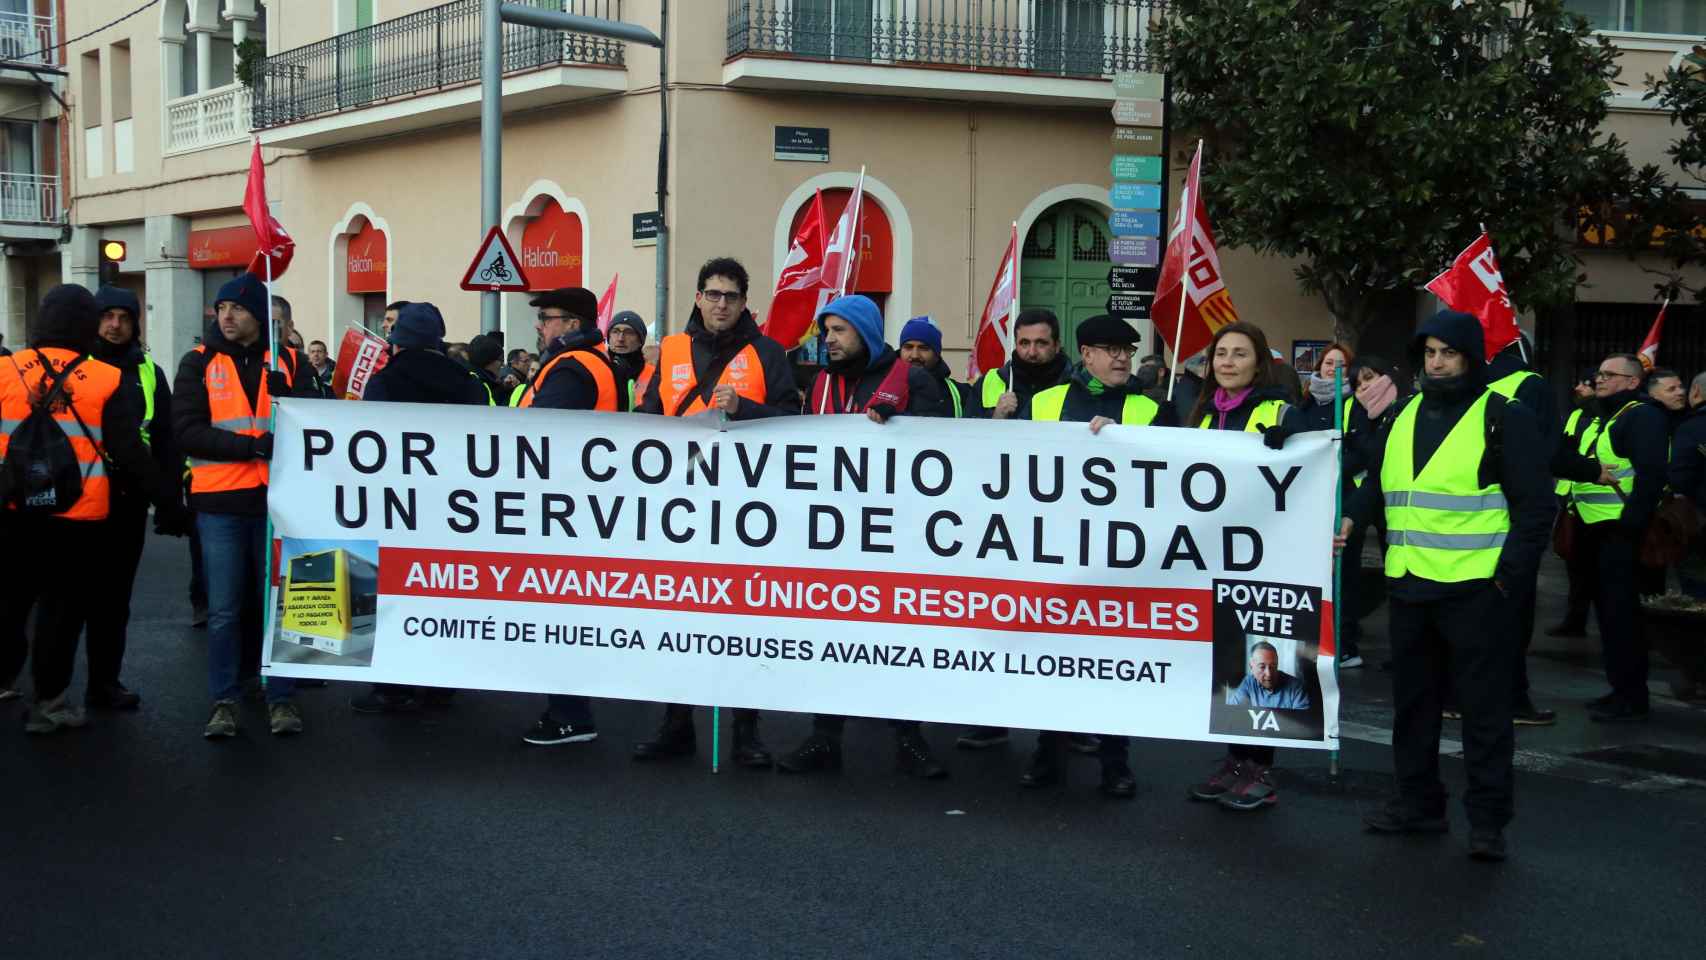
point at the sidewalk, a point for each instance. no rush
(1665, 752)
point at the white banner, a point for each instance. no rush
(1148, 581)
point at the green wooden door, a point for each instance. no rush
(1064, 268)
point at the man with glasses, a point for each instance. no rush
(720, 362)
(1617, 473)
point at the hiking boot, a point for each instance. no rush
(1218, 782)
(53, 716)
(675, 736)
(1399, 817)
(750, 751)
(913, 757)
(223, 722)
(1252, 790)
(284, 719)
(1117, 780)
(981, 738)
(818, 752)
(111, 696)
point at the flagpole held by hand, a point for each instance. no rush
(1184, 288)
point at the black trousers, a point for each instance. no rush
(1623, 642)
(1262, 755)
(1582, 566)
(1463, 641)
(47, 568)
(14, 646)
(1350, 592)
(831, 724)
(1110, 749)
(121, 536)
(1523, 598)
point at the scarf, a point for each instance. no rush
(1225, 403)
(1320, 388)
(832, 392)
(1376, 395)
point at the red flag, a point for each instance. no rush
(607, 305)
(360, 356)
(1191, 300)
(989, 350)
(842, 248)
(270, 238)
(1473, 284)
(1650, 347)
(793, 307)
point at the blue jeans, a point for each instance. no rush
(234, 554)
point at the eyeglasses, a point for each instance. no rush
(1116, 350)
(1611, 374)
(721, 296)
(548, 317)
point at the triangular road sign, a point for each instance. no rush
(496, 267)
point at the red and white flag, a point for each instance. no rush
(994, 330)
(1474, 285)
(1191, 299)
(1650, 347)
(607, 305)
(271, 240)
(841, 250)
(360, 355)
(793, 306)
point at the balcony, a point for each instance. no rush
(1024, 51)
(27, 38)
(212, 119)
(423, 70)
(29, 206)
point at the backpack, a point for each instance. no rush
(41, 474)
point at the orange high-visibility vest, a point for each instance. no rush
(594, 363)
(228, 409)
(88, 388)
(677, 378)
(644, 380)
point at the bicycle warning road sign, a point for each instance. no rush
(496, 268)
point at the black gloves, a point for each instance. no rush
(173, 522)
(277, 385)
(1275, 436)
(263, 446)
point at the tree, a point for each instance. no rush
(1658, 215)
(1371, 138)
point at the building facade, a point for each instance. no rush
(33, 153)
(967, 116)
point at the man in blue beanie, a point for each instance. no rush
(921, 346)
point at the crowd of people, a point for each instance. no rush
(1460, 471)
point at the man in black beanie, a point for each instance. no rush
(485, 360)
(627, 340)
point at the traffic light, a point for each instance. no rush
(112, 254)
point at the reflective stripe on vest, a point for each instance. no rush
(954, 395)
(1266, 414)
(1442, 525)
(228, 409)
(1506, 386)
(491, 401)
(89, 388)
(993, 388)
(1562, 487)
(677, 379)
(1597, 502)
(605, 378)
(1137, 411)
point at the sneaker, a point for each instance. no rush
(8, 693)
(981, 738)
(1085, 743)
(53, 716)
(818, 752)
(1350, 661)
(1528, 715)
(284, 718)
(913, 758)
(384, 701)
(1218, 782)
(549, 733)
(1252, 790)
(223, 723)
(198, 617)
(112, 696)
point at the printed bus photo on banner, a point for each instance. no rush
(1142, 581)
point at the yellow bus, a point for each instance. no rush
(330, 600)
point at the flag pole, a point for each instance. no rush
(1012, 308)
(1521, 350)
(1338, 561)
(1184, 286)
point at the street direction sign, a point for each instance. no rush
(1139, 140)
(1130, 166)
(1135, 223)
(1130, 83)
(1130, 306)
(1133, 279)
(1135, 251)
(1134, 196)
(1137, 113)
(496, 268)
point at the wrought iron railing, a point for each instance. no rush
(210, 119)
(30, 198)
(1071, 38)
(28, 37)
(419, 53)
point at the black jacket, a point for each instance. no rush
(500, 393)
(1535, 392)
(1026, 383)
(951, 388)
(1519, 469)
(1687, 474)
(422, 376)
(570, 386)
(192, 424)
(712, 352)
(1642, 436)
(1082, 405)
(162, 444)
(924, 396)
(321, 382)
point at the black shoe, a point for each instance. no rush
(1618, 710)
(1487, 844)
(981, 738)
(818, 752)
(1526, 714)
(913, 758)
(1602, 700)
(549, 733)
(750, 751)
(1085, 743)
(1117, 781)
(675, 737)
(111, 696)
(1044, 770)
(378, 701)
(1398, 817)
(1568, 629)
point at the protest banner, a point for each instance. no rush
(360, 356)
(1001, 573)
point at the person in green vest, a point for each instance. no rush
(1616, 485)
(1036, 365)
(921, 346)
(1100, 390)
(1468, 503)
(1580, 429)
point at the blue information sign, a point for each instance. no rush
(1135, 223)
(1135, 196)
(1135, 251)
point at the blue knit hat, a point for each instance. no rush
(419, 326)
(922, 329)
(863, 314)
(246, 291)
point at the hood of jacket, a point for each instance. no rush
(862, 313)
(1460, 331)
(68, 318)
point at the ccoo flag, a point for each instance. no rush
(989, 350)
(793, 306)
(1190, 286)
(1474, 285)
(271, 240)
(1650, 347)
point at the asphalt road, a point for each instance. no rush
(442, 835)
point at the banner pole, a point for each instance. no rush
(1338, 561)
(716, 735)
(1012, 308)
(268, 613)
(1185, 275)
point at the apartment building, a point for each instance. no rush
(32, 152)
(968, 116)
